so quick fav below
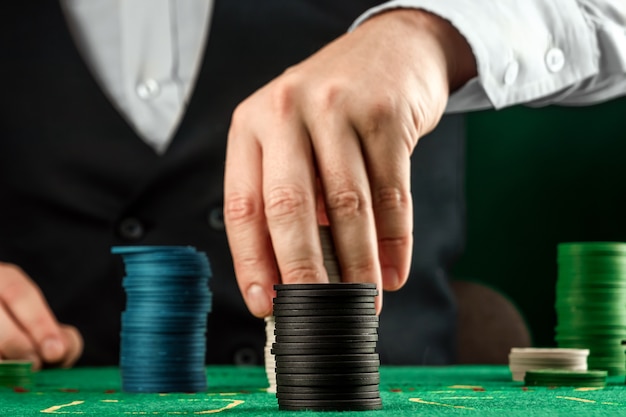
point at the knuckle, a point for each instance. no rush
(329, 97)
(239, 208)
(300, 271)
(395, 243)
(284, 94)
(361, 271)
(391, 199)
(285, 202)
(239, 117)
(379, 112)
(248, 263)
(346, 204)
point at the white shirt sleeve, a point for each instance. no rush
(535, 52)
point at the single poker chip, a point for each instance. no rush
(323, 300)
(326, 338)
(354, 320)
(359, 405)
(327, 332)
(333, 358)
(316, 351)
(325, 364)
(323, 347)
(348, 292)
(334, 389)
(591, 249)
(322, 371)
(563, 377)
(330, 402)
(122, 250)
(325, 312)
(313, 324)
(326, 306)
(317, 380)
(327, 396)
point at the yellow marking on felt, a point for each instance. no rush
(606, 403)
(229, 393)
(467, 398)
(55, 408)
(110, 401)
(588, 389)
(233, 404)
(466, 387)
(420, 401)
(582, 400)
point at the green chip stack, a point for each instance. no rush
(16, 374)
(565, 378)
(591, 302)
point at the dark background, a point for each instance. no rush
(536, 177)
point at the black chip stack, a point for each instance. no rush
(163, 337)
(325, 347)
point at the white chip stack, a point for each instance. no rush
(526, 359)
(330, 257)
(270, 361)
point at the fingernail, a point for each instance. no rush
(258, 301)
(52, 349)
(391, 280)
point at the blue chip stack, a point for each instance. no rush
(163, 338)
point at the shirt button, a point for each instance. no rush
(131, 228)
(511, 73)
(148, 89)
(215, 218)
(555, 60)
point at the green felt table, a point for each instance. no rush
(405, 391)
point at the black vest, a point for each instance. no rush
(76, 180)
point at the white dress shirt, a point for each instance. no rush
(535, 52)
(146, 54)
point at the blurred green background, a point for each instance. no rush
(536, 177)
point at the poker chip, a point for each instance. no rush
(326, 359)
(334, 276)
(16, 373)
(163, 336)
(270, 363)
(331, 265)
(591, 302)
(522, 360)
(565, 378)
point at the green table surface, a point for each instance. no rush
(405, 391)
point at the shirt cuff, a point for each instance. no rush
(525, 50)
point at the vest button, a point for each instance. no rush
(131, 228)
(245, 356)
(215, 218)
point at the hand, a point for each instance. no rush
(348, 117)
(29, 329)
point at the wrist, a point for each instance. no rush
(451, 46)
